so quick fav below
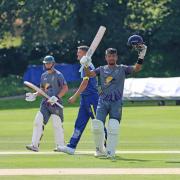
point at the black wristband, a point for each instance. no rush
(140, 61)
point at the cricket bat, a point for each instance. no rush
(96, 41)
(40, 91)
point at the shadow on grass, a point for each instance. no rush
(130, 160)
(173, 162)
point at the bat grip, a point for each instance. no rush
(59, 105)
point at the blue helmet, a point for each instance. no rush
(48, 59)
(135, 40)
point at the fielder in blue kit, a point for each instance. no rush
(112, 77)
(88, 103)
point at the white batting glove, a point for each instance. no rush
(52, 100)
(30, 97)
(142, 51)
(85, 61)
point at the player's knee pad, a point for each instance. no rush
(58, 130)
(38, 129)
(97, 126)
(56, 121)
(113, 126)
(112, 139)
(98, 133)
(38, 119)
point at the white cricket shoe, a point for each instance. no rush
(111, 156)
(32, 148)
(99, 153)
(60, 149)
(66, 149)
(69, 150)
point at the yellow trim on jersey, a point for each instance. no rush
(86, 78)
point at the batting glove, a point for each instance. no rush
(53, 100)
(142, 52)
(85, 61)
(30, 97)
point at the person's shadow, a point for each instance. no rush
(130, 160)
(173, 162)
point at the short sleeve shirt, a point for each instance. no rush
(52, 83)
(112, 81)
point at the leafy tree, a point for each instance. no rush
(58, 27)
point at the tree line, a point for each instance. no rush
(31, 29)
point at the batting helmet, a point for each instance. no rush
(48, 59)
(135, 40)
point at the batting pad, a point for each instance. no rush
(58, 130)
(38, 129)
(112, 136)
(98, 133)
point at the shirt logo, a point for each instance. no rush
(108, 79)
(46, 86)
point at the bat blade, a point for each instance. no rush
(96, 41)
(40, 91)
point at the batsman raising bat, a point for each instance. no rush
(87, 91)
(55, 86)
(112, 78)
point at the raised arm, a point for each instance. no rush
(138, 66)
(89, 73)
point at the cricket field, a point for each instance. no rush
(148, 148)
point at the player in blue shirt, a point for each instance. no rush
(88, 103)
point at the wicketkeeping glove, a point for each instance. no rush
(52, 100)
(142, 52)
(30, 97)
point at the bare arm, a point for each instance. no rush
(63, 91)
(137, 67)
(81, 88)
(89, 73)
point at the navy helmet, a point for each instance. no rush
(135, 40)
(48, 59)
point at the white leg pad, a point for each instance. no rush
(37, 129)
(112, 136)
(99, 135)
(58, 130)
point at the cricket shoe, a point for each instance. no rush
(111, 156)
(32, 148)
(60, 149)
(99, 153)
(68, 150)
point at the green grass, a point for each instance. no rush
(88, 161)
(142, 128)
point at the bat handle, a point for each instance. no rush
(59, 105)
